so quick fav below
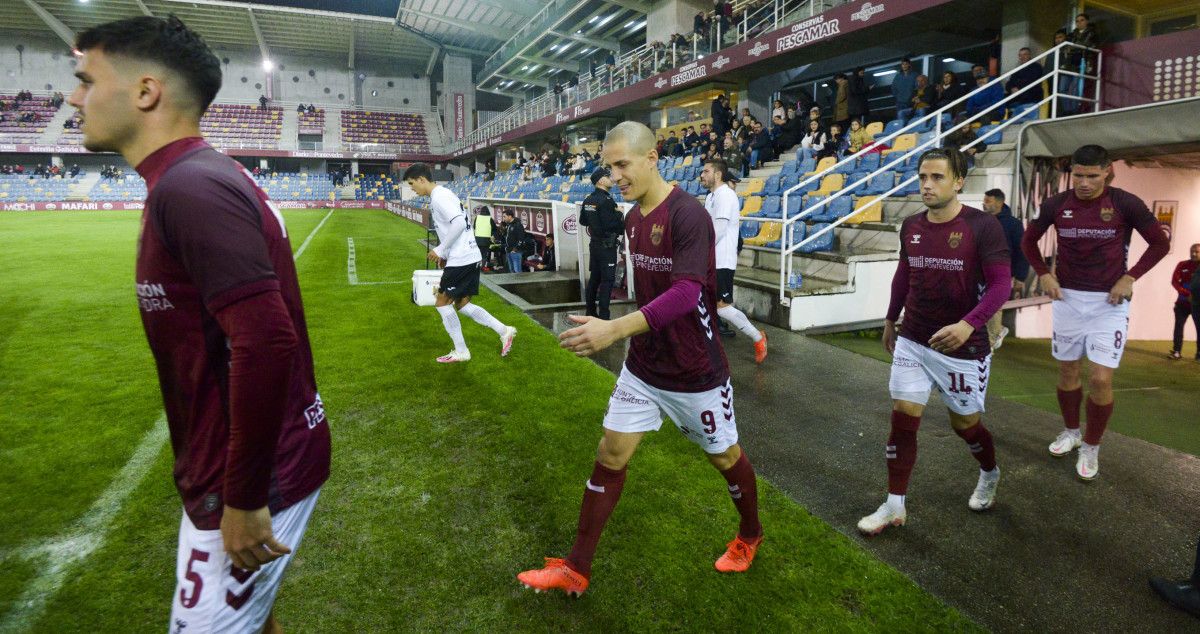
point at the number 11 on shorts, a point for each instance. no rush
(958, 383)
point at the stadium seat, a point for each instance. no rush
(831, 183)
(823, 243)
(892, 126)
(880, 183)
(902, 143)
(873, 211)
(748, 230)
(768, 232)
(826, 163)
(799, 204)
(868, 162)
(770, 208)
(875, 128)
(752, 186)
(752, 205)
(771, 186)
(910, 189)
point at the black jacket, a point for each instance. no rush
(1026, 78)
(857, 102)
(600, 214)
(514, 238)
(1013, 232)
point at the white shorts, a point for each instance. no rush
(212, 596)
(1084, 321)
(706, 418)
(916, 369)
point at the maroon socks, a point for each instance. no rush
(901, 451)
(743, 488)
(979, 440)
(1097, 421)
(599, 499)
(1069, 403)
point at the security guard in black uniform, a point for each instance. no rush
(606, 223)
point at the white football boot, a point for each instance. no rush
(1068, 440)
(985, 490)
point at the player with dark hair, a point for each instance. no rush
(948, 253)
(1091, 288)
(221, 308)
(458, 253)
(722, 204)
(675, 364)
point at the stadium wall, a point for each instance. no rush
(32, 63)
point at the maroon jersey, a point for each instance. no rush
(1093, 236)
(945, 279)
(676, 241)
(209, 239)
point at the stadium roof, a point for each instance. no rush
(399, 30)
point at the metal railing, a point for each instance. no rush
(639, 63)
(930, 122)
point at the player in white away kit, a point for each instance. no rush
(952, 276)
(456, 250)
(1091, 290)
(722, 205)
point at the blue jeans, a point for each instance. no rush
(1068, 85)
(514, 262)
(753, 158)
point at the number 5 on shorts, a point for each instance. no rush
(185, 600)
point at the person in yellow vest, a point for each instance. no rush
(483, 235)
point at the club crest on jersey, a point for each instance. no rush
(955, 239)
(656, 233)
(1106, 214)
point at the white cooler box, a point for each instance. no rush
(424, 283)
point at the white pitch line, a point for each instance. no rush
(351, 264)
(87, 534)
(352, 269)
(84, 537)
(300, 251)
(1126, 389)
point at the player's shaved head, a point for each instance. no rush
(637, 137)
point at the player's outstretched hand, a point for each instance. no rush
(951, 337)
(1050, 286)
(889, 336)
(591, 336)
(1121, 291)
(249, 539)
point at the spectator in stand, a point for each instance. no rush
(1066, 83)
(691, 140)
(1084, 35)
(789, 134)
(1026, 83)
(514, 241)
(263, 101)
(719, 115)
(814, 114)
(904, 83)
(963, 137)
(858, 137)
(948, 91)
(760, 146)
(1185, 278)
(814, 139)
(300, 108)
(700, 27)
(841, 99)
(577, 167)
(838, 143)
(857, 102)
(57, 100)
(74, 170)
(732, 155)
(737, 131)
(922, 96)
(984, 100)
(777, 109)
(312, 109)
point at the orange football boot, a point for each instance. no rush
(738, 555)
(557, 575)
(760, 348)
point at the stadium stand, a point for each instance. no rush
(236, 125)
(25, 120)
(312, 122)
(385, 128)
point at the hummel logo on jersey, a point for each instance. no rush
(1067, 213)
(916, 238)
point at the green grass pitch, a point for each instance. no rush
(447, 481)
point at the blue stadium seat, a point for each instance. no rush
(748, 229)
(912, 188)
(880, 183)
(771, 187)
(892, 126)
(855, 177)
(770, 208)
(868, 162)
(824, 243)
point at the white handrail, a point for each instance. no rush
(787, 249)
